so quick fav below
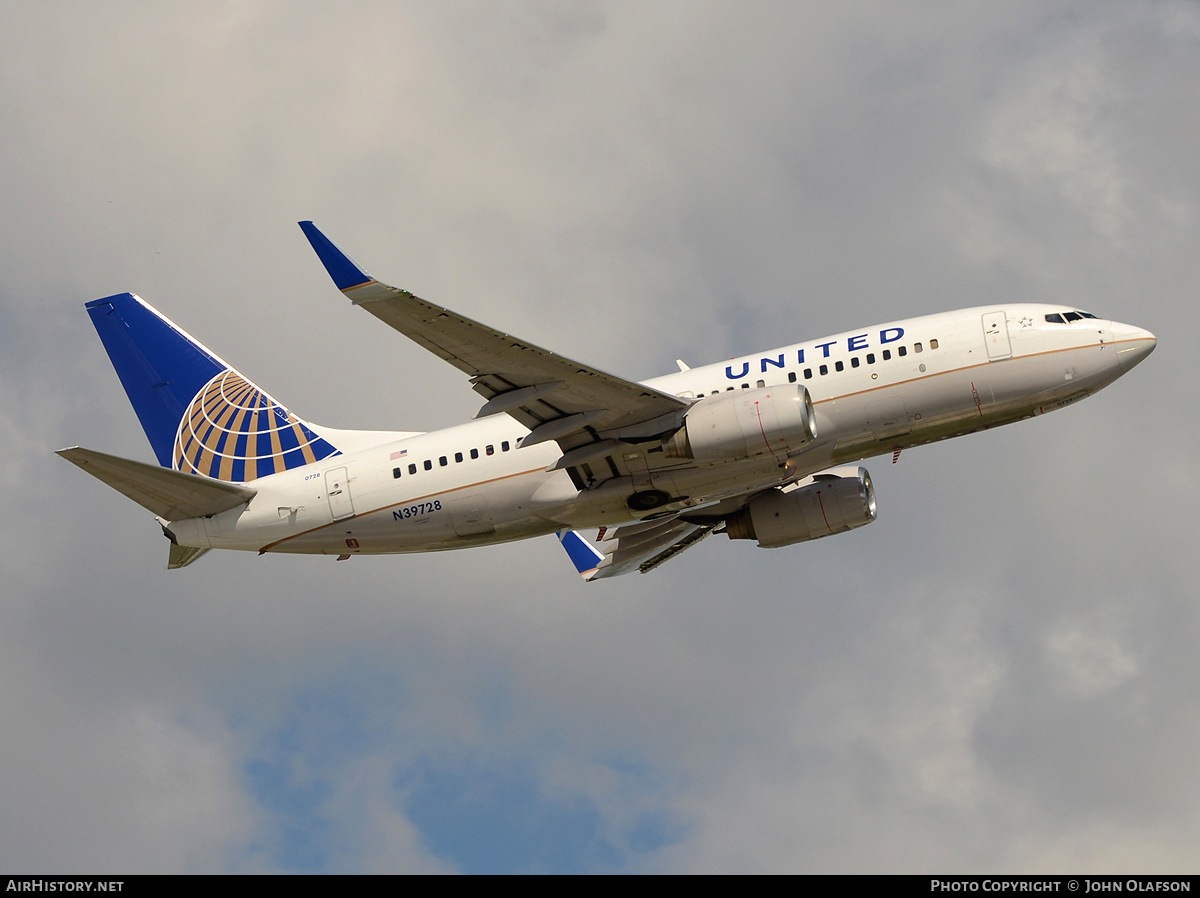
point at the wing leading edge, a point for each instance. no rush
(555, 397)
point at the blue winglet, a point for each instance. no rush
(345, 272)
(583, 554)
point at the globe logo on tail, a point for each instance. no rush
(233, 431)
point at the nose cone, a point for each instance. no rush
(1132, 343)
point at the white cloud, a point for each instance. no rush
(1088, 658)
(119, 790)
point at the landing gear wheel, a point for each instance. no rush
(645, 500)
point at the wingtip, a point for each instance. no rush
(346, 273)
(583, 555)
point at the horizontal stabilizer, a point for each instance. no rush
(172, 495)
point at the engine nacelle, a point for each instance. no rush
(833, 501)
(746, 424)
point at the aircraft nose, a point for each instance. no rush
(1133, 344)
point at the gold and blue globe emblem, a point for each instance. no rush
(234, 431)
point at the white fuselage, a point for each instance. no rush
(899, 384)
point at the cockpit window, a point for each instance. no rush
(1069, 317)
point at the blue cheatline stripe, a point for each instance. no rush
(583, 554)
(346, 273)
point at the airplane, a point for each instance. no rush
(764, 447)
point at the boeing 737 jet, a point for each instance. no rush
(764, 447)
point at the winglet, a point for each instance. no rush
(583, 554)
(346, 273)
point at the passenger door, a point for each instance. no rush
(995, 336)
(337, 488)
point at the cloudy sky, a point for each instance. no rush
(1000, 674)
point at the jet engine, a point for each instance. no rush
(745, 424)
(833, 501)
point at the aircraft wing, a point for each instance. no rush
(555, 397)
(642, 547)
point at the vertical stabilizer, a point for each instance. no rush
(200, 415)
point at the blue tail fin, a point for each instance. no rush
(200, 415)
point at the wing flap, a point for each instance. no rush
(172, 495)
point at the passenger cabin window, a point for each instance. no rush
(504, 446)
(855, 361)
(396, 473)
(791, 377)
(824, 369)
(428, 465)
(761, 384)
(902, 350)
(916, 347)
(887, 354)
(490, 450)
(412, 469)
(458, 456)
(442, 461)
(838, 365)
(474, 453)
(808, 373)
(870, 358)
(933, 344)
